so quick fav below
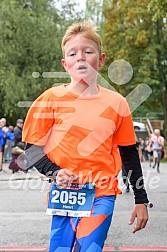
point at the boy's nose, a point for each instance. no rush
(80, 57)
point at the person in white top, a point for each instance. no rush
(157, 145)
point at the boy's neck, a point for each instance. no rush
(83, 89)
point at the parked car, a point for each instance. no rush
(139, 126)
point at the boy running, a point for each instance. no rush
(75, 133)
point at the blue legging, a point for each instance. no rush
(85, 234)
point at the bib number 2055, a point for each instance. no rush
(71, 202)
(65, 197)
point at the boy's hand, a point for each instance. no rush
(140, 212)
(65, 177)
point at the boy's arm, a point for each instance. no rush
(44, 165)
(131, 162)
(40, 161)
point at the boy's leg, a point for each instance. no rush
(92, 231)
(62, 234)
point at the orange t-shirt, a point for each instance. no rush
(82, 133)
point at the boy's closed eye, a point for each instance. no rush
(72, 54)
(88, 52)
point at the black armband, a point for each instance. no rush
(40, 160)
(131, 163)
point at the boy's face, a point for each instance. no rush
(82, 59)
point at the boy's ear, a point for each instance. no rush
(102, 59)
(64, 64)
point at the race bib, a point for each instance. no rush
(74, 201)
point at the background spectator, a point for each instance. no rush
(2, 140)
(9, 144)
(18, 131)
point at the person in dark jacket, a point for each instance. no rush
(18, 131)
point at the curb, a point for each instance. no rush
(105, 249)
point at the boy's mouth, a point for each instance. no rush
(82, 67)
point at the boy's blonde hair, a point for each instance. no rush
(86, 29)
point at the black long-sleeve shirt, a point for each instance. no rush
(130, 160)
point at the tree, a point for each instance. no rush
(31, 33)
(131, 33)
(93, 12)
(159, 10)
(28, 45)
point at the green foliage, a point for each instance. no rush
(134, 33)
(93, 11)
(31, 33)
(158, 8)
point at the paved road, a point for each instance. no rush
(23, 221)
